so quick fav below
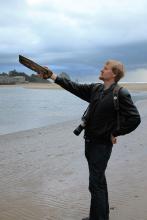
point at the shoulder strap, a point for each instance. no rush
(116, 96)
(116, 102)
(96, 86)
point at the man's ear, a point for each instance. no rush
(114, 75)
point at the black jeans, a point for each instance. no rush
(97, 155)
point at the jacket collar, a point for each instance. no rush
(110, 88)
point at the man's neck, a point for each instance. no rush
(107, 84)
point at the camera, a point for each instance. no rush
(83, 124)
(80, 128)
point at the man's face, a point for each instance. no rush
(106, 73)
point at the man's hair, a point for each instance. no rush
(117, 68)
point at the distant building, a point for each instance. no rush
(19, 79)
(7, 80)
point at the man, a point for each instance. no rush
(101, 129)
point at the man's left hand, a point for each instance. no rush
(113, 139)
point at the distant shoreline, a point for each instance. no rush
(130, 86)
(34, 86)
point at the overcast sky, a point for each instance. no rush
(75, 36)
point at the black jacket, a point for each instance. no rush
(103, 118)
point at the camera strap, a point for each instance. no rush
(91, 107)
(116, 103)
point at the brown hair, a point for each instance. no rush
(117, 68)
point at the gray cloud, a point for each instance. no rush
(74, 36)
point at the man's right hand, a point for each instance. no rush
(47, 75)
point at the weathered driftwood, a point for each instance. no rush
(34, 66)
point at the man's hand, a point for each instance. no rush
(47, 75)
(113, 139)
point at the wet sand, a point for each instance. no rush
(44, 174)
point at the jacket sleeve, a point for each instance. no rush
(83, 91)
(128, 113)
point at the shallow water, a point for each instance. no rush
(22, 109)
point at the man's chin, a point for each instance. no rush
(101, 77)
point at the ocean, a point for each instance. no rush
(23, 109)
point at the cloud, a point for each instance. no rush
(105, 22)
(73, 35)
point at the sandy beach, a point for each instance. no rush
(34, 86)
(41, 86)
(135, 86)
(44, 174)
(129, 86)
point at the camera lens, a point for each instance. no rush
(78, 130)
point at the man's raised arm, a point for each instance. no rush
(83, 91)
